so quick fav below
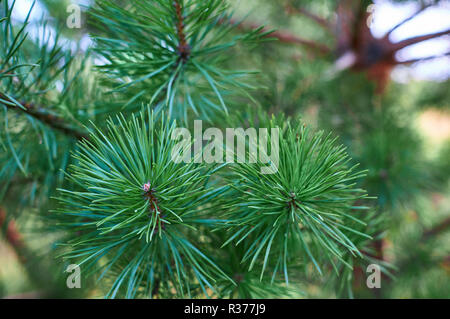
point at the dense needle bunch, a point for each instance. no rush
(135, 203)
(170, 52)
(304, 210)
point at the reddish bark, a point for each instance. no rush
(282, 36)
(12, 236)
(436, 230)
(374, 56)
(45, 117)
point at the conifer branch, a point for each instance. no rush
(422, 8)
(184, 50)
(290, 9)
(12, 234)
(155, 210)
(36, 269)
(151, 226)
(282, 36)
(439, 228)
(52, 120)
(410, 41)
(144, 203)
(423, 59)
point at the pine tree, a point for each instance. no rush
(89, 176)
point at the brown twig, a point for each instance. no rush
(37, 270)
(407, 42)
(290, 9)
(442, 226)
(184, 50)
(28, 295)
(283, 36)
(423, 59)
(398, 25)
(149, 194)
(45, 117)
(12, 234)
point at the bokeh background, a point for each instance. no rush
(389, 104)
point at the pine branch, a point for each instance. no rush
(28, 295)
(12, 234)
(436, 230)
(290, 9)
(41, 114)
(422, 8)
(423, 59)
(141, 210)
(184, 50)
(282, 36)
(292, 208)
(407, 42)
(35, 266)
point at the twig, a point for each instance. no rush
(407, 42)
(12, 234)
(27, 295)
(398, 25)
(423, 59)
(283, 36)
(37, 272)
(321, 21)
(184, 50)
(45, 117)
(442, 226)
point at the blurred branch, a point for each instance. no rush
(407, 42)
(436, 230)
(12, 234)
(45, 117)
(283, 36)
(423, 59)
(37, 272)
(290, 9)
(27, 295)
(421, 9)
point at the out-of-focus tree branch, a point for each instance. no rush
(436, 230)
(424, 59)
(301, 11)
(45, 117)
(422, 8)
(12, 234)
(284, 36)
(410, 41)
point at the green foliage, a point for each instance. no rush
(170, 53)
(136, 204)
(87, 171)
(373, 225)
(29, 73)
(392, 154)
(442, 166)
(302, 212)
(247, 284)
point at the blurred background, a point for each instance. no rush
(376, 73)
